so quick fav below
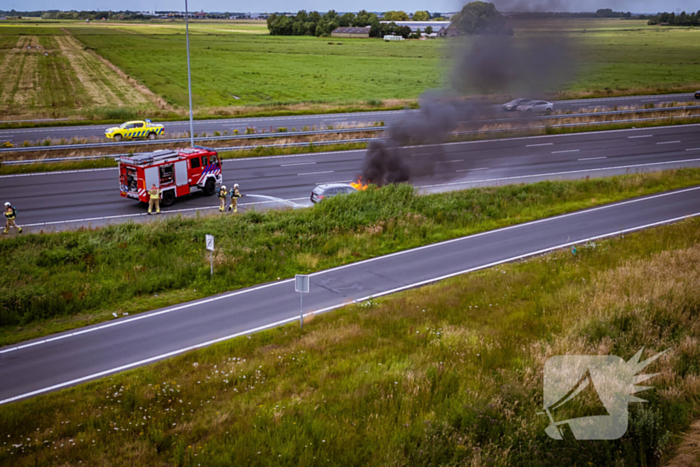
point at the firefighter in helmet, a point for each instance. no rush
(154, 199)
(10, 215)
(222, 198)
(235, 194)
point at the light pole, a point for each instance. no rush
(189, 73)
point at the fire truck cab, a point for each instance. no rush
(176, 172)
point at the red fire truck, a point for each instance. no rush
(176, 172)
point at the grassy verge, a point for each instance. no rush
(130, 268)
(449, 374)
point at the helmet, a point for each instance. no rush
(235, 185)
(7, 204)
(223, 187)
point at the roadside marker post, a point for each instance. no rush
(210, 247)
(301, 285)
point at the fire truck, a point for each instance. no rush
(176, 172)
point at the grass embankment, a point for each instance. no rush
(449, 374)
(52, 282)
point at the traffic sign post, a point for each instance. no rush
(301, 285)
(210, 247)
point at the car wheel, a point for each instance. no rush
(151, 136)
(209, 187)
(548, 111)
(529, 111)
(168, 197)
(117, 138)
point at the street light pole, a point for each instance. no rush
(189, 73)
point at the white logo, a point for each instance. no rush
(607, 380)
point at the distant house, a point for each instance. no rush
(449, 31)
(351, 32)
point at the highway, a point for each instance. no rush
(59, 200)
(62, 360)
(18, 136)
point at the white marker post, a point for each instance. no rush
(210, 247)
(301, 285)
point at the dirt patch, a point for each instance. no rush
(17, 73)
(688, 453)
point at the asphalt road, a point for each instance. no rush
(18, 136)
(69, 358)
(62, 200)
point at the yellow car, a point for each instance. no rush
(135, 129)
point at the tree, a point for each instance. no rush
(395, 16)
(479, 18)
(421, 15)
(347, 19)
(429, 30)
(364, 18)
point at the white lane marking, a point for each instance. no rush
(566, 150)
(121, 216)
(640, 136)
(668, 142)
(450, 162)
(541, 144)
(299, 163)
(334, 307)
(592, 158)
(567, 172)
(469, 170)
(693, 149)
(58, 172)
(317, 173)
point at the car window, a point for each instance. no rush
(214, 160)
(204, 161)
(138, 125)
(331, 192)
(124, 125)
(194, 163)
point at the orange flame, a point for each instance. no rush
(358, 185)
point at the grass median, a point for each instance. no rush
(57, 281)
(448, 374)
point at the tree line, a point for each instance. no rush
(671, 19)
(601, 13)
(316, 24)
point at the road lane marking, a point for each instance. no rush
(470, 170)
(592, 158)
(121, 216)
(317, 173)
(567, 172)
(359, 300)
(640, 136)
(541, 144)
(300, 163)
(450, 162)
(693, 149)
(566, 150)
(668, 142)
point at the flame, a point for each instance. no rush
(358, 185)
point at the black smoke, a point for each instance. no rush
(486, 70)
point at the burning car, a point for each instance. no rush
(330, 190)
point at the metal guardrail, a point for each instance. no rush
(321, 132)
(347, 141)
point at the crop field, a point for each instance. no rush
(237, 65)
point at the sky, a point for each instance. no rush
(261, 6)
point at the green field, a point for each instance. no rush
(445, 375)
(236, 65)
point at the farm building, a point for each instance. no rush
(416, 25)
(351, 32)
(449, 31)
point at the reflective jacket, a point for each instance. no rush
(222, 194)
(10, 213)
(235, 193)
(155, 193)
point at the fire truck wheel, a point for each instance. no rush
(210, 187)
(117, 138)
(151, 136)
(168, 197)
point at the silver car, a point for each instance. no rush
(515, 103)
(329, 190)
(537, 106)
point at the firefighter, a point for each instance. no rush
(235, 194)
(154, 193)
(10, 215)
(222, 198)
